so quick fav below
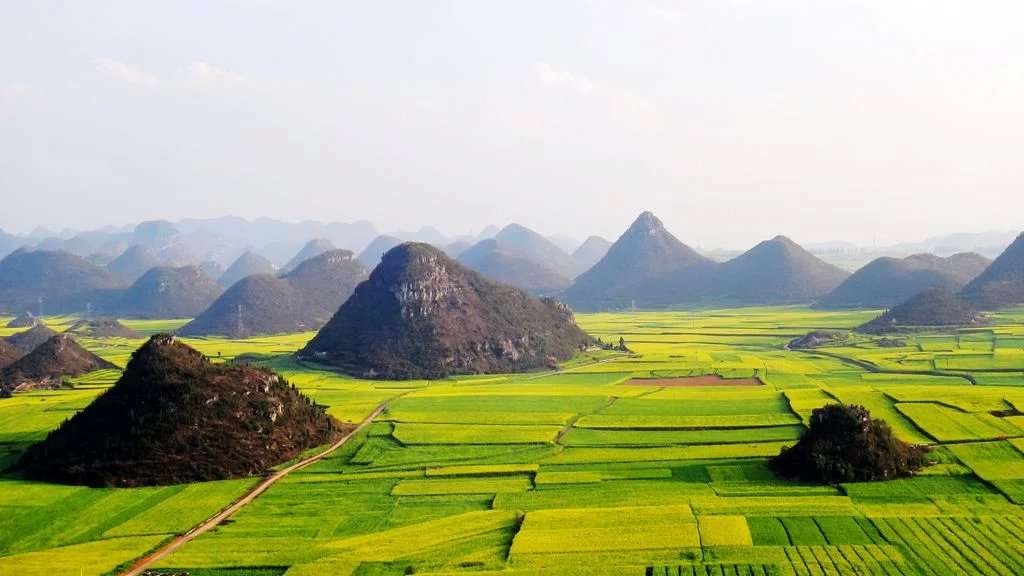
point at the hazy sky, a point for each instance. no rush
(732, 120)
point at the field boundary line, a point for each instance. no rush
(140, 565)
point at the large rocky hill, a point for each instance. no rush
(65, 282)
(303, 299)
(247, 264)
(423, 315)
(175, 418)
(1002, 283)
(886, 282)
(504, 264)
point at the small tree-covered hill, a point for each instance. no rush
(247, 264)
(49, 363)
(423, 315)
(1002, 283)
(504, 264)
(934, 307)
(844, 443)
(886, 282)
(175, 418)
(303, 299)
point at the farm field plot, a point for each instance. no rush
(578, 471)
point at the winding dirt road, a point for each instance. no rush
(148, 560)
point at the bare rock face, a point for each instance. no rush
(422, 315)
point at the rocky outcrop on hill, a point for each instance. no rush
(422, 315)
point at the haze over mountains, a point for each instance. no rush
(222, 240)
(647, 267)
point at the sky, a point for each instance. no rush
(732, 120)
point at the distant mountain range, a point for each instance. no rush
(302, 299)
(886, 281)
(648, 267)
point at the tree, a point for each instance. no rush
(844, 444)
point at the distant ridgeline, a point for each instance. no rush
(648, 267)
(303, 299)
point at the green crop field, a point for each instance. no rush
(580, 471)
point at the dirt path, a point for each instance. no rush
(145, 562)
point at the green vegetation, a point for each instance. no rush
(578, 472)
